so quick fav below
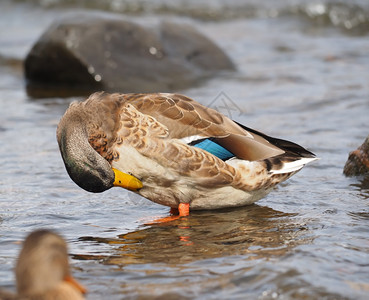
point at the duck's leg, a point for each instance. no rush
(183, 210)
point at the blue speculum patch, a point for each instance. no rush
(215, 149)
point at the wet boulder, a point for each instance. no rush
(358, 161)
(85, 52)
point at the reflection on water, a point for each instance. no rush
(362, 186)
(254, 232)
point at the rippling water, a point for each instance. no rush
(303, 70)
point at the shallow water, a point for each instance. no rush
(299, 78)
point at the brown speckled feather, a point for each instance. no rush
(184, 116)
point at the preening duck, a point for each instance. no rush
(42, 270)
(172, 150)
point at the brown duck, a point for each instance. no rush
(42, 271)
(173, 151)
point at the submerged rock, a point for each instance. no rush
(86, 52)
(358, 161)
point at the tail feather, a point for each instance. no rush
(293, 166)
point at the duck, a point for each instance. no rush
(42, 270)
(173, 151)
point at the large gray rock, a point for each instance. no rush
(86, 52)
(358, 161)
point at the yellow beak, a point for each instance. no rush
(126, 181)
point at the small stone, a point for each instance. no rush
(358, 161)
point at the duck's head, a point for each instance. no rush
(85, 166)
(43, 267)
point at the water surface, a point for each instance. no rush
(303, 70)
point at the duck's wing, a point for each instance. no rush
(192, 122)
(174, 130)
